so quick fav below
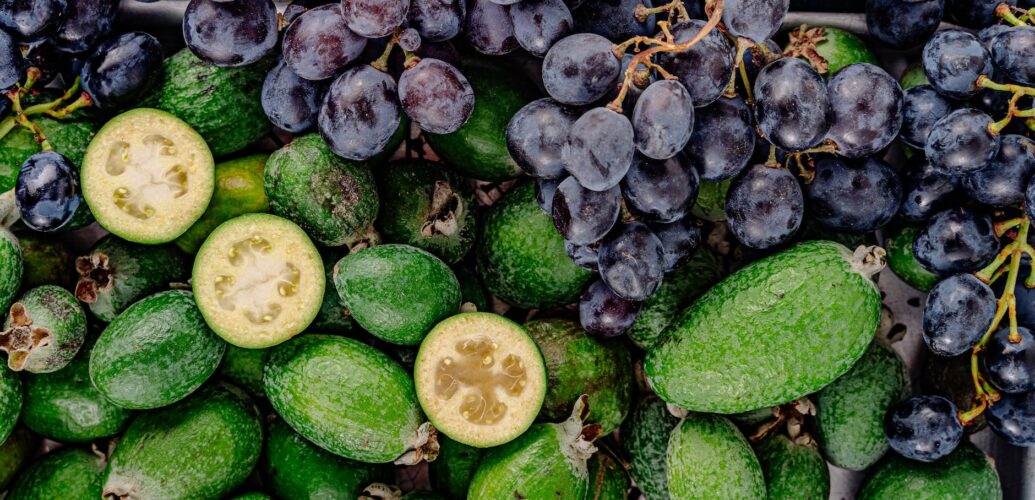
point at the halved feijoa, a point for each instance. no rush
(43, 331)
(480, 379)
(258, 280)
(147, 176)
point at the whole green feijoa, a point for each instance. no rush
(850, 411)
(472, 291)
(451, 472)
(47, 261)
(479, 148)
(71, 473)
(711, 200)
(828, 49)
(295, 468)
(15, 452)
(645, 435)
(11, 399)
(348, 398)
(426, 205)
(521, 255)
(396, 292)
(899, 242)
(748, 343)
(202, 447)
(913, 76)
(334, 200)
(332, 317)
(792, 471)
(607, 479)
(239, 190)
(11, 267)
(118, 273)
(43, 331)
(155, 353)
(709, 458)
(578, 364)
(965, 474)
(243, 367)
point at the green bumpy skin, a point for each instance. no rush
(645, 435)
(838, 49)
(479, 148)
(452, 471)
(966, 474)
(397, 292)
(709, 458)
(333, 317)
(913, 76)
(118, 273)
(46, 261)
(202, 447)
(157, 352)
(899, 242)
(67, 473)
(51, 309)
(334, 200)
(239, 190)
(679, 288)
(16, 452)
(521, 255)
(539, 464)
(11, 267)
(607, 479)
(850, 411)
(472, 290)
(792, 471)
(11, 399)
(777, 329)
(345, 396)
(295, 468)
(222, 104)
(68, 137)
(426, 205)
(578, 364)
(243, 367)
(711, 200)
(255, 495)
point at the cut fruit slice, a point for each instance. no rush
(147, 176)
(480, 379)
(258, 280)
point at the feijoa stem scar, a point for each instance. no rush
(21, 338)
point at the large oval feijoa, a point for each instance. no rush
(966, 474)
(709, 458)
(66, 473)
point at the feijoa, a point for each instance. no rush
(239, 190)
(709, 458)
(43, 331)
(47, 261)
(645, 435)
(65, 473)
(243, 367)
(16, 452)
(451, 472)
(966, 474)
(899, 242)
(10, 400)
(11, 267)
(792, 470)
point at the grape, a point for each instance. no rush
(5, 107)
(723, 139)
(1029, 199)
(855, 197)
(437, 20)
(642, 78)
(506, 2)
(1013, 53)
(754, 60)
(706, 67)
(923, 428)
(580, 69)
(538, 24)
(960, 142)
(32, 20)
(756, 20)
(660, 190)
(584, 256)
(612, 19)
(605, 314)
(544, 191)
(47, 191)
(583, 216)
(436, 96)
(318, 45)
(663, 119)
(866, 110)
(298, 7)
(1025, 297)
(903, 24)
(791, 104)
(87, 22)
(1002, 181)
(45, 58)
(409, 40)
(360, 113)
(953, 60)
(922, 106)
(632, 261)
(1013, 418)
(764, 206)
(291, 103)
(1011, 366)
(600, 149)
(12, 64)
(678, 240)
(975, 13)
(488, 28)
(230, 32)
(536, 134)
(957, 314)
(956, 241)
(122, 70)
(374, 18)
(926, 190)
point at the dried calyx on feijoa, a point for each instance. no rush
(43, 330)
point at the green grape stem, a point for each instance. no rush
(54, 109)
(1005, 12)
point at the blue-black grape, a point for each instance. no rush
(926, 190)
(290, 102)
(600, 149)
(605, 314)
(1003, 180)
(854, 197)
(584, 256)
(374, 18)
(723, 139)
(538, 24)
(437, 20)
(32, 21)
(975, 13)
(923, 428)
(360, 113)
(792, 105)
(903, 24)
(298, 7)
(230, 32)
(957, 314)
(537, 133)
(661, 190)
(866, 110)
(679, 240)
(318, 45)
(754, 59)
(12, 64)
(1013, 53)
(988, 33)
(87, 22)
(580, 69)
(48, 191)
(488, 28)
(706, 67)
(1029, 199)
(544, 191)
(632, 261)
(953, 60)
(409, 40)
(662, 119)
(1013, 418)
(756, 20)
(922, 107)
(436, 96)
(122, 70)
(764, 206)
(583, 216)
(1011, 366)
(961, 142)
(955, 241)
(613, 19)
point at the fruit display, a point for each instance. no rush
(535, 249)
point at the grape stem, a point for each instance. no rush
(984, 82)
(21, 116)
(642, 12)
(23, 120)
(1012, 111)
(381, 63)
(1004, 11)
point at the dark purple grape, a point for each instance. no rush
(1002, 181)
(1029, 199)
(600, 149)
(663, 119)
(580, 69)
(923, 428)
(5, 107)
(975, 13)
(488, 28)
(723, 139)
(987, 34)
(122, 70)
(956, 241)
(87, 22)
(756, 20)
(961, 142)
(374, 18)
(922, 107)
(538, 24)
(437, 20)
(48, 191)
(230, 32)
(44, 57)
(926, 190)
(12, 64)
(1013, 53)
(953, 60)
(612, 19)
(32, 21)
(661, 190)
(297, 7)
(632, 261)
(856, 197)
(584, 256)
(291, 103)
(791, 104)
(754, 59)
(544, 191)
(605, 314)
(436, 96)
(957, 314)
(360, 113)
(1013, 418)
(866, 110)
(409, 40)
(583, 216)
(903, 23)
(537, 133)
(764, 206)
(705, 68)
(679, 240)
(1011, 366)
(507, 3)
(318, 44)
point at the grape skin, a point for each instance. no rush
(600, 149)
(122, 70)
(958, 311)
(12, 64)
(580, 68)
(32, 21)
(922, 107)
(290, 102)
(723, 139)
(1013, 418)
(604, 314)
(612, 19)
(360, 113)
(660, 190)
(544, 191)
(436, 96)
(764, 206)
(756, 20)
(1013, 53)
(956, 241)
(855, 197)
(538, 24)
(706, 67)
(47, 191)
(488, 28)
(87, 22)
(374, 18)
(953, 60)
(537, 133)
(1011, 366)
(960, 142)
(923, 428)
(679, 240)
(230, 33)
(663, 119)
(1002, 181)
(318, 44)
(437, 20)
(975, 13)
(927, 190)
(792, 106)
(632, 262)
(866, 110)
(903, 24)
(583, 216)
